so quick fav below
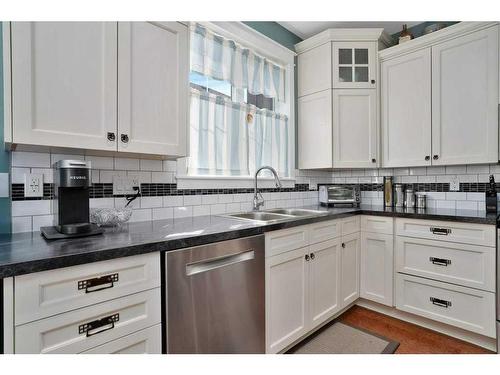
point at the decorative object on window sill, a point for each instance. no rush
(405, 35)
(249, 118)
(434, 27)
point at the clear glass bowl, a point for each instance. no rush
(110, 216)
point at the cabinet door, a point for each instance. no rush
(377, 270)
(146, 341)
(314, 70)
(349, 269)
(286, 299)
(153, 64)
(324, 281)
(64, 84)
(315, 130)
(354, 128)
(465, 99)
(354, 65)
(406, 110)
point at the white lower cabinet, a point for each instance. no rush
(349, 268)
(377, 269)
(286, 298)
(147, 341)
(79, 330)
(467, 308)
(324, 281)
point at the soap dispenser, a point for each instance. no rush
(491, 196)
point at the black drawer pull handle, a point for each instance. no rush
(440, 261)
(440, 231)
(98, 283)
(100, 325)
(440, 302)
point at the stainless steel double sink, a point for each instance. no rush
(276, 215)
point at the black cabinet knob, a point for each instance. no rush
(124, 138)
(427, 158)
(313, 256)
(373, 81)
(435, 157)
(307, 257)
(111, 137)
(374, 160)
(343, 245)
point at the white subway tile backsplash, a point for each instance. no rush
(466, 205)
(54, 158)
(225, 198)
(418, 171)
(126, 164)
(169, 166)
(30, 159)
(182, 212)
(476, 169)
(122, 203)
(201, 210)
(480, 197)
(151, 165)
(233, 207)
(173, 200)
(163, 213)
(21, 224)
(35, 207)
(217, 209)
(151, 202)
(102, 202)
(401, 171)
(456, 196)
(48, 174)
(17, 176)
(143, 177)
(192, 200)
(426, 179)
(141, 215)
(162, 178)
(456, 169)
(209, 199)
(409, 179)
(436, 170)
(100, 162)
(42, 221)
(467, 178)
(445, 204)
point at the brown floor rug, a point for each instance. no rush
(340, 338)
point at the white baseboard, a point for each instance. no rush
(474, 338)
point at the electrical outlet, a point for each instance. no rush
(33, 185)
(454, 184)
(125, 185)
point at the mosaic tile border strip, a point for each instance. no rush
(100, 190)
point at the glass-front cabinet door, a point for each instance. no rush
(354, 65)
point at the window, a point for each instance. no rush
(238, 113)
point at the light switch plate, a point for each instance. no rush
(125, 185)
(454, 184)
(33, 185)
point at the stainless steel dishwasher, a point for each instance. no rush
(216, 298)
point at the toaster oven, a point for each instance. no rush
(339, 195)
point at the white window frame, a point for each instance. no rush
(266, 47)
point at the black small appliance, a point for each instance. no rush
(72, 183)
(491, 196)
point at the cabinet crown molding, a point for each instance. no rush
(450, 32)
(345, 35)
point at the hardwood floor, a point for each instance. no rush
(412, 338)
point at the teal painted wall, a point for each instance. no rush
(5, 218)
(276, 32)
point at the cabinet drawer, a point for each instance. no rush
(280, 241)
(470, 309)
(350, 225)
(147, 341)
(474, 234)
(377, 224)
(66, 333)
(324, 231)
(43, 294)
(462, 264)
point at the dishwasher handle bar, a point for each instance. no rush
(215, 263)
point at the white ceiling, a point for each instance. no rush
(306, 29)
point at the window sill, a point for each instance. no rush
(229, 182)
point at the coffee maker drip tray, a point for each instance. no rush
(70, 231)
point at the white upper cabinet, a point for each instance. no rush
(439, 98)
(314, 70)
(315, 130)
(354, 128)
(100, 85)
(337, 105)
(406, 110)
(64, 83)
(354, 65)
(465, 99)
(153, 65)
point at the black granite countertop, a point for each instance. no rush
(24, 253)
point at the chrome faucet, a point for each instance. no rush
(258, 200)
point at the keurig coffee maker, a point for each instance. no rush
(72, 182)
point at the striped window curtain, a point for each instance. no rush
(227, 136)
